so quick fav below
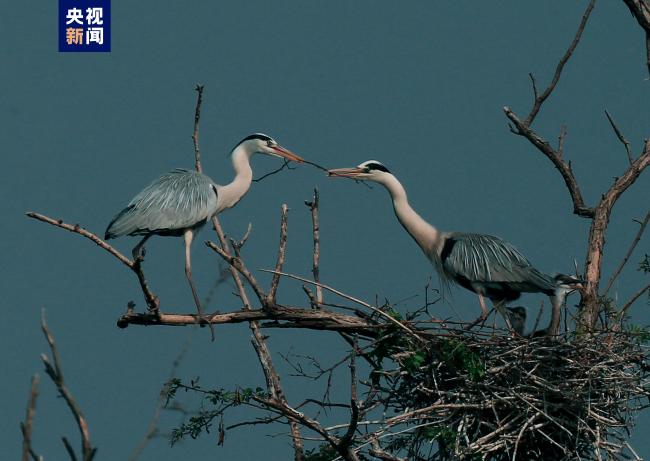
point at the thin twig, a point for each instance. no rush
(195, 135)
(539, 100)
(259, 342)
(285, 164)
(26, 427)
(313, 207)
(632, 299)
(630, 250)
(351, 298)
(81, 231)
(521, 129)
(282, 249)
(152, 430)
(346, 441)
(151, 299)
(236, 262)
(620, 137)
(55, 372)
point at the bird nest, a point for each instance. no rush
(502, 398)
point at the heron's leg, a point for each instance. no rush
(484, 309)
(138, 251)
(188, 236)
(481, 318)
(500, 305)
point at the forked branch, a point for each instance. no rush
(55, 372)
(150, 298)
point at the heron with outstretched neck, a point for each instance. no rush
(481, 263)
(181, 202)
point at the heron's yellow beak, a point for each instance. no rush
(284, 153)
(353, 173)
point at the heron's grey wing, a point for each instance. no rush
(485, 258)
(176, 201)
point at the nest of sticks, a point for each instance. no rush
(469, 395)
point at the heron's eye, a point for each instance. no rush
(366, 169)
(270, 143)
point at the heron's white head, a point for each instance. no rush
(263, 144)
(370, 170)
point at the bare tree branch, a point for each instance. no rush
(539, 100)
(151, 299)
(596, 241)
(195, 135)
(26, 427)
(282, 249)
(313, 207)
(379, 453)
(521, 129)
(356, 300)
(640, 9)
(630, 250)
(633, 299)
(620, 137)
(77, 229)
(259, 343)
(294, 318)
(152, 429)
(236, 262)
(55, 372)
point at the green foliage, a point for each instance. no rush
(413, 362)
(456, 354)
(441, 434)
(217, 400)
(641, 334)
(644, 265)
(323, 452)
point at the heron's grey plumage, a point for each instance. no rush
(179, 200)
(481, 263)
(489, 266)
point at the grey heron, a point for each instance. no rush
(484, 264)
(182, 201)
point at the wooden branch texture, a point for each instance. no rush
(640, 9)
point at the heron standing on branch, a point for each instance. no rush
(182, 201)
(481, 263)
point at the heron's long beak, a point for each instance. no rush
(345, 172)
(282, 152)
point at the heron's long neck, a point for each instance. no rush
(233, 192)
(422, 232)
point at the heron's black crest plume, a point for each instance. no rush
(260, 136)
(377, 166)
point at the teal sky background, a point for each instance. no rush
(417, 85)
